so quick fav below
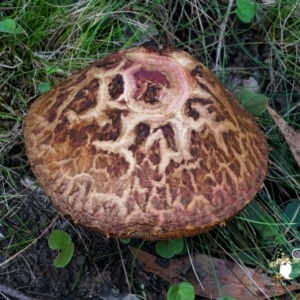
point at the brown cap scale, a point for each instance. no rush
(145, 143)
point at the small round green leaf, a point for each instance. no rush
(125, 241)
(64, 257)
(58, 239)
(295, 271)
(185, 291)
(244, 96)
(168, 249)
(44, 87)
(254, 103)
(8, 26)
(245, 10)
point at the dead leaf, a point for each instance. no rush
(291, 136)
(218, 277)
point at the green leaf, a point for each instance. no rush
(245, 10)
(58, 240)
(244, 96)
(185, 291)
(9, 26)
(64, 257)
(44, 87)
(295, 273)
(226, 298)
(168, 249)
(125, 241)
(292, 211)
(254, 103)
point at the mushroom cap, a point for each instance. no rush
(145, 143)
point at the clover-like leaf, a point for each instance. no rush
(125, 241)
(64, 257)
(254, 103)
(10, 26)
(44, 87)
(58, 239)
(245, 10)
(184, 291)
(168, 249)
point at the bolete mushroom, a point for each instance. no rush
(145, 143)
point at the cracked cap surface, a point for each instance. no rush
(145, 143)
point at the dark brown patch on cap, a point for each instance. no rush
(204, 87)
(170, 136)
(142, 131)
(219, 117)
(172, 166)
(61, 125)
(154, 153)
(111, 131)
(116, 165)
(189, 111)
(110, 62)
(51, 114)
(186, 178)
(235, 167)
(151, 47)
(194, 147)
(232, 141)
(62, 96)
(61, 131)
(197, 71)
(155, 48)
(79, 137)
(116, 86)
(152, 94)
(209, 142)
(203, 101)
(186, 196)
(79, 134)
(146, 173)
(203, 166)
(85, 98)
(82, 76)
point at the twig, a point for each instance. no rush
(127, 280)
(222, 32)
(192, 265)
(13, 293)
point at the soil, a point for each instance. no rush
(95, 271)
